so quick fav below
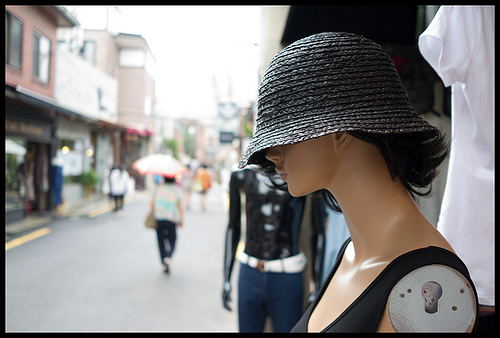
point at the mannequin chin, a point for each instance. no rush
(297, 192)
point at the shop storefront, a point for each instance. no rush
(29, 141)
(39, 133)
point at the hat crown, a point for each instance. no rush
(328, 68)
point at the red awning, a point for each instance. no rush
(139, 132)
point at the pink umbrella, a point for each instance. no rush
(159, 164)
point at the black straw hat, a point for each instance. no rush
(328, 83)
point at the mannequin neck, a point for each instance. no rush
(380, 213)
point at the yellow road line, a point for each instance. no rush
(100, 210)
(26, 238)
(225, 200)
(109, 207)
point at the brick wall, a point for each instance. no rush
(34, 19)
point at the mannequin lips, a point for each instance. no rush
(283, 175)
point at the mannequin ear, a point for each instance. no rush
(341, 141)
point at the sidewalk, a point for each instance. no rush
(86, 207)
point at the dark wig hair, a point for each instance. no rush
(412, 157)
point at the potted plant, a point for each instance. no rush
(89, 180)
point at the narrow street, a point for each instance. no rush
(104, 274)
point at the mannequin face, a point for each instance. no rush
(306, 166)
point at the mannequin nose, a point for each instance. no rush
(274, 154)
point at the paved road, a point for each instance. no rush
(104, 274)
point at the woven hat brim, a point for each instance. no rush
(309, 129)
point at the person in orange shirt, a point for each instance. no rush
(205, 180)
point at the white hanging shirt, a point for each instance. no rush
(460, 45)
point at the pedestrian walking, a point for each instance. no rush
(204, 179)
(187, 186)
(167, 209)
(118, 180)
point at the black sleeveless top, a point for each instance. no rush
(364, 314)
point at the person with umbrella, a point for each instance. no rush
(166, 201)
(168, 212)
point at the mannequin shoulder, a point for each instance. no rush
(431, 298)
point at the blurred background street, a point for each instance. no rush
(103, 273)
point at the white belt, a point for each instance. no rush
(292, 264)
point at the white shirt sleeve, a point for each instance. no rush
(449, 43)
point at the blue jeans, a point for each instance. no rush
(278, 295)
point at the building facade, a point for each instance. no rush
(31, 110)
(89, 91)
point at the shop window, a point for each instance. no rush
(88, 51)
(41, 57)
(72, 154)
(132, 57)
(15, 178)
(13, 40)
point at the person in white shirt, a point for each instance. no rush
(118, 180)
